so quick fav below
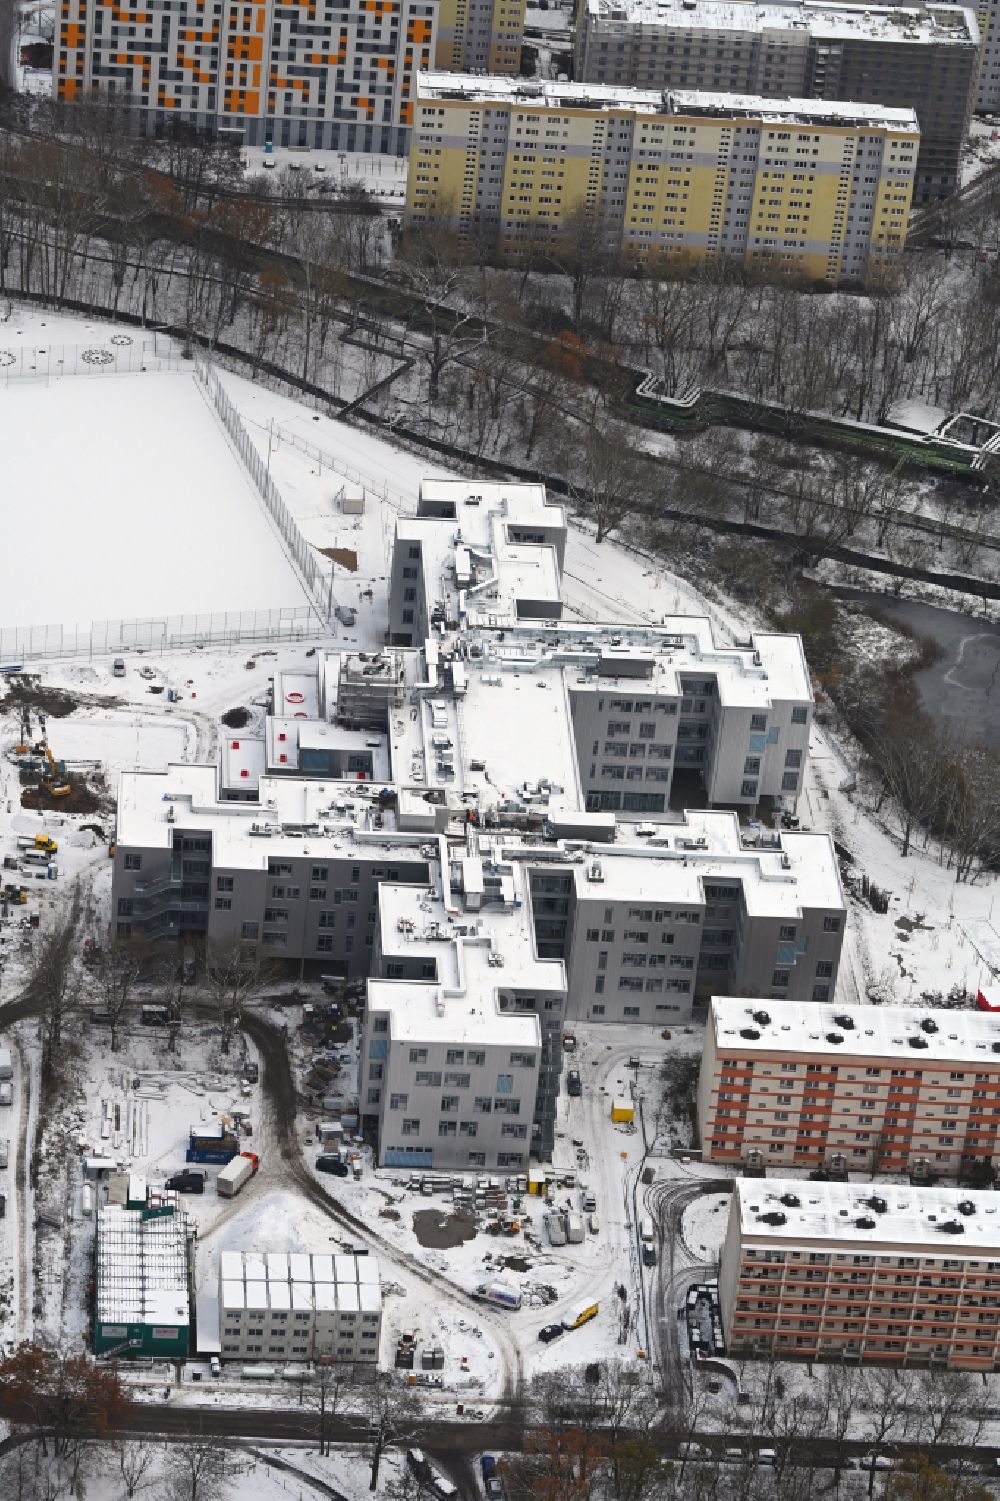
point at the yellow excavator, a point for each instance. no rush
(55, 782)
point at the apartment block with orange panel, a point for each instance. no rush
(861, 1272)
(312, 73)
(884, 1088)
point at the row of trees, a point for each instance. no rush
(595, 1435)
(172, 229)
(116, 978)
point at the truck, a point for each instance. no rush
(574, 1229)
(37, 842)
(582, 1315)
(6, 1064)
(503, 1294)
(236, 1174)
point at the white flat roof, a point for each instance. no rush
(827, 1214)
(942, 1036)
(316, 816)
(674, 865)
(420, 1011)
(592, 97)
(947, 24)
(243, 762)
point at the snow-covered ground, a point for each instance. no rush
(924, 944)
(383, 176)
(144, 508)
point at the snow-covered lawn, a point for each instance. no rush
(130, 504)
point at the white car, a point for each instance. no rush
(6, 1092)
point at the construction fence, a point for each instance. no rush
(159, 633)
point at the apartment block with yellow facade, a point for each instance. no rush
(820, 190)
(317, 73)
(480, 36)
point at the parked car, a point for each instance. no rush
(418, 1464)
(648, 1255)
(574, 1084)
(6, 1092)
(187, 1182)
(588, 1202)
(329, 1164)
(550, 1332)
(118, 667)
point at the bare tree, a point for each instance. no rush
(234, 971)
(325, 1395)
(135, 1459)
(120, 968)
(197, 1472)
(55, 985)
(390, 1411)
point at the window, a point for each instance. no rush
(758, 722)
(455, 1055)
(222, 904)
(134, 862)
(250, 930)
(831, 925)
(411, 1128)
(779, 979)
(505, 1083)
(786, 932)
(222, 883)
(800, 716)
(824, 970)
(418, 1055)
(793, 758)
(483, 1104)
(790, 781)
(398, 1101)
(821, 992)
(320, 873)
(748, 789)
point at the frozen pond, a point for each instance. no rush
(961, 691)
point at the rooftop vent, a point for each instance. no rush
(965, 1206)
(834, 1037)
(879, 1205)
(846, 1023)
(864, 1222)
(792, 1201)
(762, 1018)
(750, 1034)
(774, 1217)
(952, 1227)
(918, 1042)
(928, 1024)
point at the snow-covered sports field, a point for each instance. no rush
(127, 501)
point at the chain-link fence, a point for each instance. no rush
(316, 574)
(119, 354)
(155, 633)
